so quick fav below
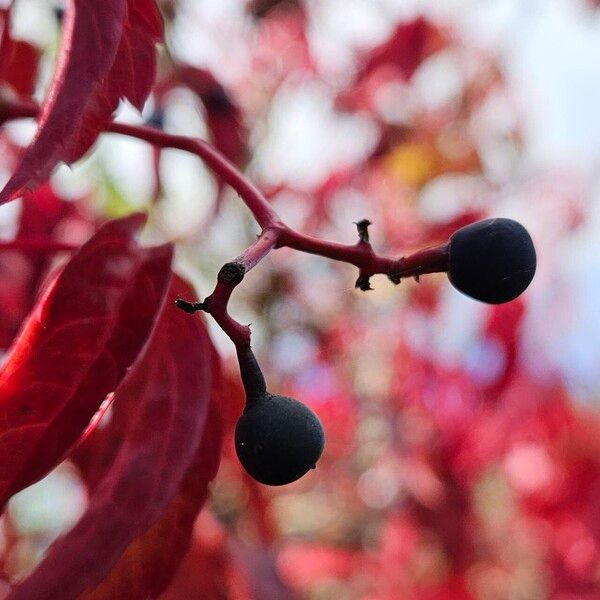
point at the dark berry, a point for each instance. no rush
(278, 439)
(493, 260)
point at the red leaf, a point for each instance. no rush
(74, 349)
(210, 571)
(95, 456)
(224, 118)
(132, 74)
(150, 562)
(503, 334)
(15, 274)
(398, 58)
(170, 386)
(107, 54)
(18, 60)
(407, 47)
(22, 69)
(43, 216)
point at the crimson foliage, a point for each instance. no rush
(104, 335)
(105, 372)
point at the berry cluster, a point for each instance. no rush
(279, 439)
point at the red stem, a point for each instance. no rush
(360, 255)
(251, 195)
(275, 234)
(429, 260)
(216, 305)
(266, 241)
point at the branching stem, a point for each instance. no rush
(275, 234)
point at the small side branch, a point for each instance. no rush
(189, 307)
(363, 281)
(363, 230)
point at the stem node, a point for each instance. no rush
(232, 272)
(363, 282)
(363, 230)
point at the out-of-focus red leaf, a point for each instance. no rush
(405, 49)
(503, 334)
(107, 54)
(43, 216)
(258, 507)
(15, 274)
(224, 118)
(132, 74)
(209, 570)
(304, 564)
(75, 347)
(18, 60)
(397, 58)
(282, 46)
(170, 387)
(41, 213)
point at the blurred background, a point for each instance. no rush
(463, 440)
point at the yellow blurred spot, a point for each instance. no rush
(414, 163)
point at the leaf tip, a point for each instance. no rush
(128, 225)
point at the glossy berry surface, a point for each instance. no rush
(278, 439)
(492, 260)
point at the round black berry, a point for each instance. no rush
(493, 260)
(278, 439)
